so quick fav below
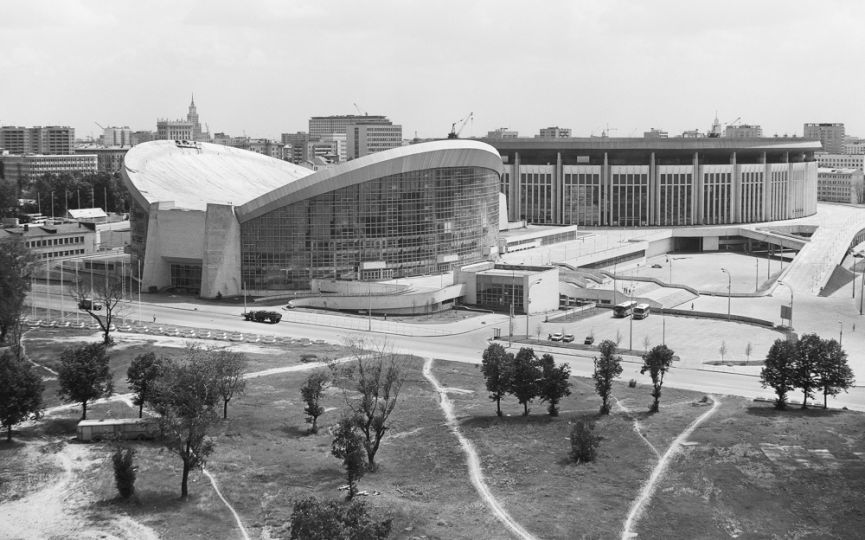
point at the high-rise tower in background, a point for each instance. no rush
(831, 135)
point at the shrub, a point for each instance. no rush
(632, 383)
(124, 470)
(584, 442)
(312, 519)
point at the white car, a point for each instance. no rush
(556, 337)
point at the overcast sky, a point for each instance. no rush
(265, 67)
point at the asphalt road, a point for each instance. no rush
(690, 374)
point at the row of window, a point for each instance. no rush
(48, 242)
(56, 254)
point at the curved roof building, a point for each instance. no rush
(218, 220)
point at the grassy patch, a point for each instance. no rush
(764, 473)
(745, 476)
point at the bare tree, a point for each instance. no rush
(723, 350)
(749, 348)
(229, 368)
(371, 386)
(105, 294)
(646, 342)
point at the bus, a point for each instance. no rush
(641, 311)
(624, 309)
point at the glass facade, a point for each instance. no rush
(407, 224)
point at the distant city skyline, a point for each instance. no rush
(618, 66)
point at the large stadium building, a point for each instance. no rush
(216, 220)
(621, 182)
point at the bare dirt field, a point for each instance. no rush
(747, 471)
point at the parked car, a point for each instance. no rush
(567, 338)
(555, 337)
(89, 305)
(589, 340)
(656, 265)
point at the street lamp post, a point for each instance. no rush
(840, 333)
(791, 302)
(670, 262)
(729, 289)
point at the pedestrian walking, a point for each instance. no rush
(692, 306)
(154, 318)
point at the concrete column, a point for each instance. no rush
(767, 183)
(606, 192)
(735, 192)
(558, 190)
(697, 193)
(514, 187)
(220, 265)
(654, 192)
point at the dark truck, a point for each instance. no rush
(271, 317)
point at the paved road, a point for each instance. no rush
(467, 347)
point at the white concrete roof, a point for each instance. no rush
(85, 213)
(431, 155)
(191, 177)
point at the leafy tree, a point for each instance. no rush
(377, 379)
(497, 367)
(141, 376)
(348, 445)
(526, 378)
(311, 392)
(657, 362)
(229, 368)
(8, 198)
(779, 370)
(312, 519)
(17, 264)
(607, 368)
(107, 292)
(124, 470)
(20, 392)
(584, 441)
(554, 384)
(84, 375)
(186, 398)
(833, 373)
(810, 355)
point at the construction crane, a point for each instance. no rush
(455, 133)
(100, 125)
(360, 112)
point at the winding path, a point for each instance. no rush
(472, 458)
(639, 504)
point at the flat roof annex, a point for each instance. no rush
(192, 177)
(416, 157)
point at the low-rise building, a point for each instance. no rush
(840, 185)
(655, 134)
(22, 167)
(503, 133)
(49, 241)
(743, 131)
(840, 161)
(108, 159)
(555, 132)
